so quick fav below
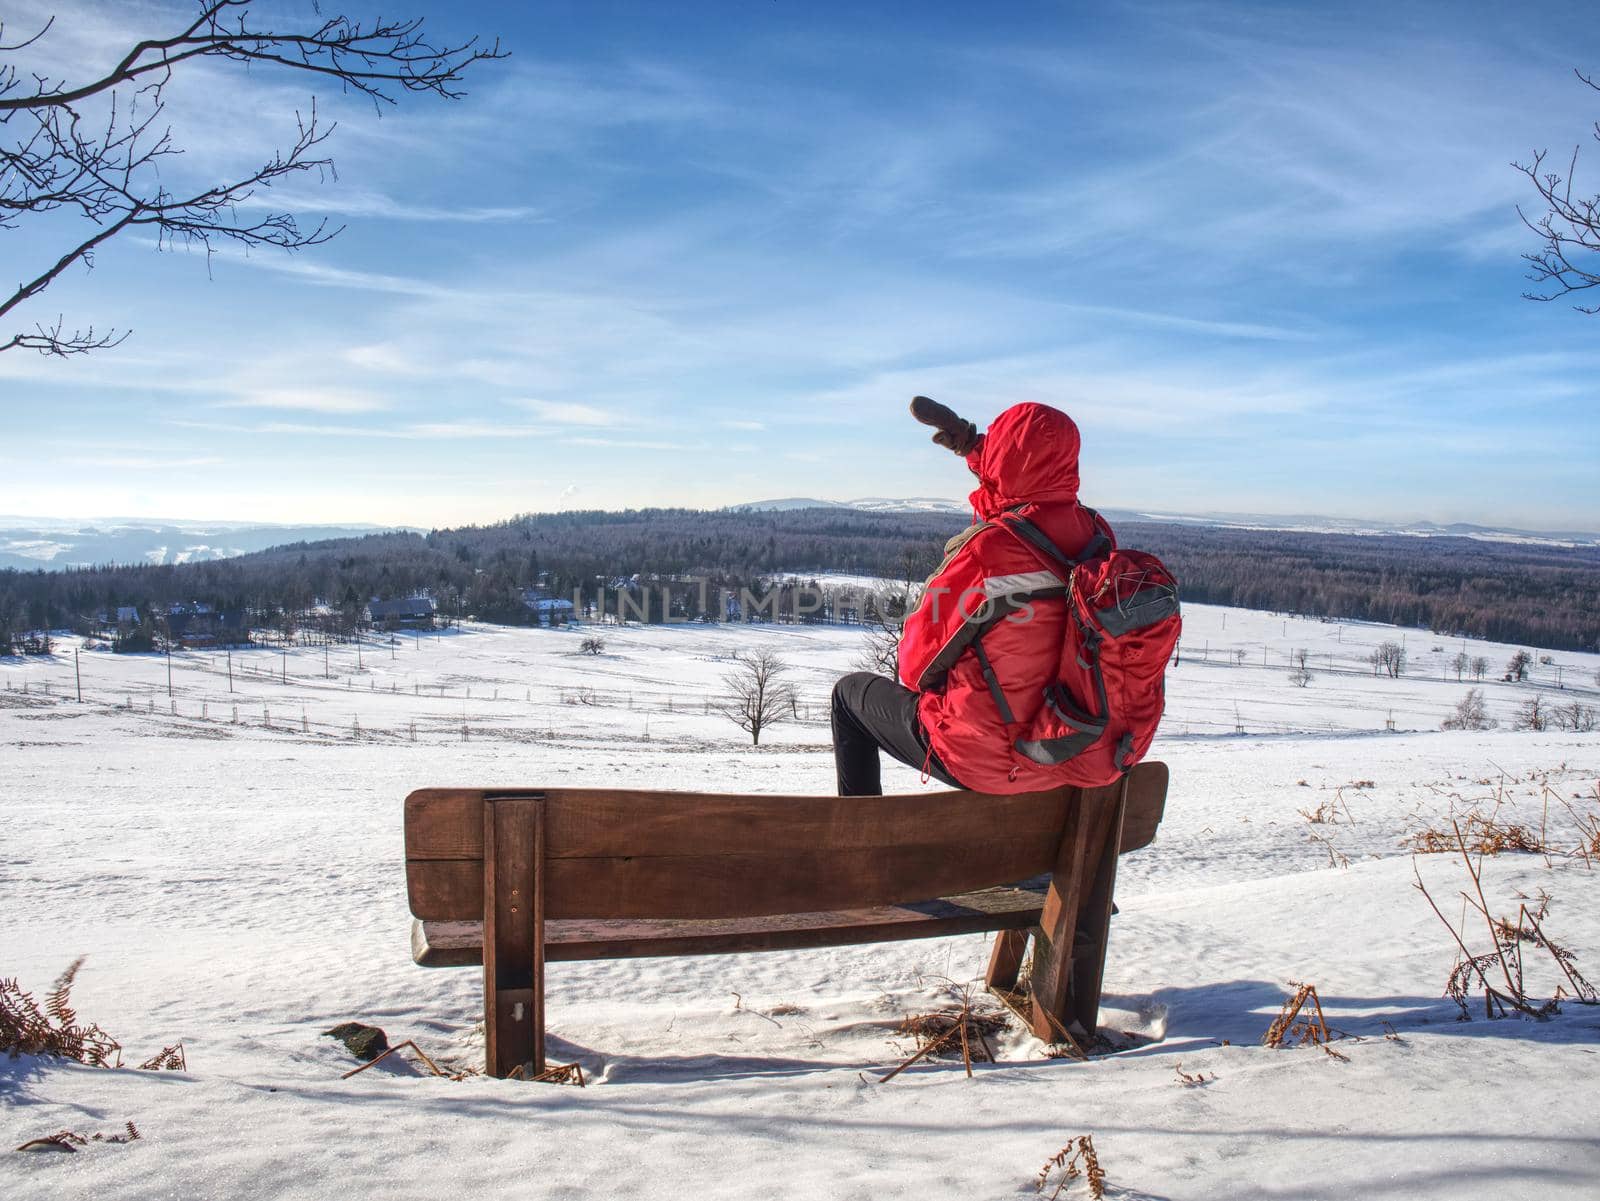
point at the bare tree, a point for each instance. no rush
(1517, 667)
(1576, 717)
(1388, 657)
(1480, 667)
(1568, 258)
(592, 645)
(884, 615)
(1300, 675)
(756, 697)
(1531, 715)
(82, 161)
(1461, 662)
(1470, 713)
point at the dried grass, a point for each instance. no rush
(1076, 1159)
(1483, 835)
(1020, 1004)
(565, 1073)
(1504, 991)
(1336, 857)
(1328, 812)
(960, 1025)
(1486, 832)
(376, 1060)
(1192, 1079)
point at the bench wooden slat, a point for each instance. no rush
(587, 823)
(460, 944)
(725, 886)
(1146, 802)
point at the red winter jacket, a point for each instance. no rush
(1027, 461)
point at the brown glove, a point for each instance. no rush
(955, 433)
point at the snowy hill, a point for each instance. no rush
(32, 543)
(229, 859)
(1308, 524)
(869, 504)
(1296, 523)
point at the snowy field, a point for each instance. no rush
(230, 861)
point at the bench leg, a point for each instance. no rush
(513, 935)
(1005, 961)
(1093, 932)
(1065, 983)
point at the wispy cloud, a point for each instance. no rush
(326, 275)
(335, 201)
(567, 412)
(309, 399)
(144, 462)
(632, 443)
(430, 431)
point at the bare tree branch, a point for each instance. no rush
(1568, 259)
(54, 340)
(362, 58)
(55, 157)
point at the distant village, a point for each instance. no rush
(193, 625)
(648, 598)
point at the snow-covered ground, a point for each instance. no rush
(231, 864)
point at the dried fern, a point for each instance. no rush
(59, 1003)
(70, 1140)
(168, 1059)
(1076, 1159)
(1298, 1026)
(26, 1029)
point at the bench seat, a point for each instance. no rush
(1014, 907)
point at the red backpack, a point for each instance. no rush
(1101, 714)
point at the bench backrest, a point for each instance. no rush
(614, 853)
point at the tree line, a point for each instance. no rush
(1542, 596)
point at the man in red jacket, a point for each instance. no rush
(984, 641)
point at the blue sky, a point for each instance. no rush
(701, 253)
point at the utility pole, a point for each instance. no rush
(230, 669)
(77, 674)
(169, 668)
(285, 666)
(325, 661)
(358, 650)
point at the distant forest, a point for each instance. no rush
(1535, 595)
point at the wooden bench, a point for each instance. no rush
(517, 878)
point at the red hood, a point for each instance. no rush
(1029, 454)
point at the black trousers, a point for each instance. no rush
(872, 712)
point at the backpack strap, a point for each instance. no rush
(1026, 531)
(989, 678)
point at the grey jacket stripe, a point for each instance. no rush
(1020, 583)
